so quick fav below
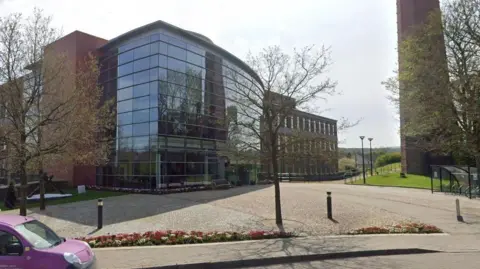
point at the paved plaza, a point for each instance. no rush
(252, 207)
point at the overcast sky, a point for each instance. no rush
(361, 34)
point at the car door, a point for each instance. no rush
(12, 252)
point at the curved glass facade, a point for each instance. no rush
(172, 108)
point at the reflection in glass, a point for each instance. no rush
(141, 52)
(141, 116)
(125, 57)
(124, 118)
(141, 77)
(125, 81)
(124, 106)
(125, 131)
(141, 90)
(141, 103)
(171, 109)
(125, 93)
(140, 143)
(177, 52)
(125, 69)
(141, 64)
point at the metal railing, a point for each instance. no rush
(456, 180)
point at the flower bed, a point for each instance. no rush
(177, 237)
(404, 228)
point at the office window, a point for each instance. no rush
(125, 57)
(124, 94)
(124, 118)
(141, 52)
(125, 81)
(141, 90)
(141, 103)
(141, 64)
(141, 116)
(125, 69)
(124, 106)
(141, 77)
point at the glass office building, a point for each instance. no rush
(172, 90)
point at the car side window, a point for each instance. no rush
(10, 245)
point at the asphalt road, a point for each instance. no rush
(467, 260)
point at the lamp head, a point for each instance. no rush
(362, 137)
(370, 139)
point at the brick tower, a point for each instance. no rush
(412, 13)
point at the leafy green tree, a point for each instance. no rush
(388, 158)
(438, 87)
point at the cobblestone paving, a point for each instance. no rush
(252, 207)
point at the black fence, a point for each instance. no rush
(357, 174)
(293, 177)
(455, 180)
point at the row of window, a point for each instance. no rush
(155, 142)
(171, 97)
(168, 45)
(176, 129)
(312, 147)
(161, 169)
(187, 114)
(167, 119)
(147, 182)
(309, 125)
(135, 57)
(194, 80)
(308, 169)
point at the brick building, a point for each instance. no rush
(309, 142)
(412, 14)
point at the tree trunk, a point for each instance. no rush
(278, 204)
(23, 189)
(41, 183)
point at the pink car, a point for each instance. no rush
(27, 243)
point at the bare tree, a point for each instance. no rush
(51, 108)
(439, 86)
(289, 83)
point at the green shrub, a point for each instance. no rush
(388, 158)
(345, 164)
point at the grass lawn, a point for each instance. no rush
(88, 195)
(394, 180)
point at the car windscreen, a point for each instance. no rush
(38, 234)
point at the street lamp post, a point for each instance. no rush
(371, 158)
(363, 160)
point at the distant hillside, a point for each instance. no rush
(342, 152)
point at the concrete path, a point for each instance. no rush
(252, 208)
(418, 261)
(268, 252)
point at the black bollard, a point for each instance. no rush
(329, 205)
(100, 213)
